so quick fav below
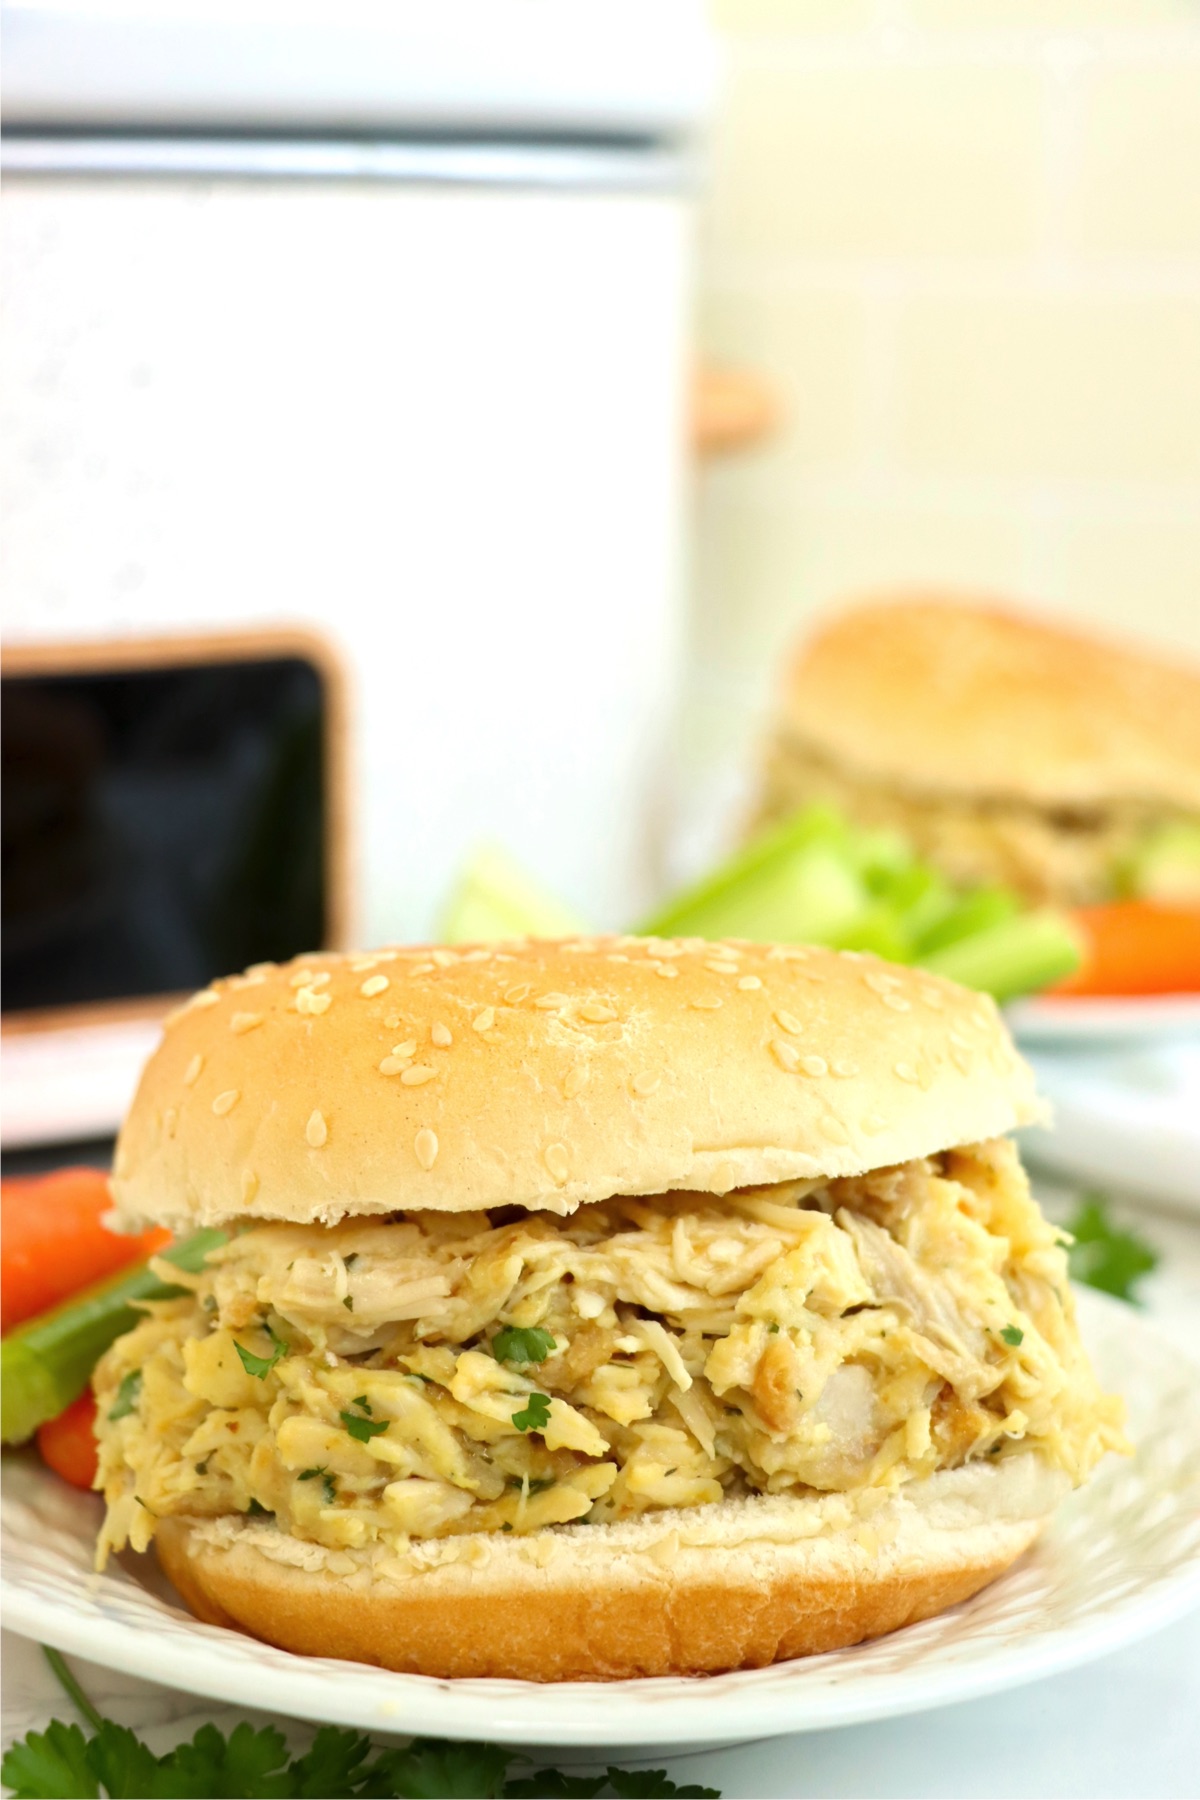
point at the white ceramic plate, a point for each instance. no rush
(1121, 1559)
(1094, 1021)
(1126, 1116)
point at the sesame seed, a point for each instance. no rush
(897, 1002)
(960, 1043)
(309, 1001)
(408, 1049)
(748, 983)
(814, 1065)
(316, 1131)
(597, 1012)
(425, 968)
(933, 998)
(442, 1036)
(844, 1069)
(206, 997)
(302, 978)
(364, 963)
(225, 1102)
(960, 1056)
(575, 1080)
(617, 957)
(394, 1021)
(192, 1073)
(445, 959)
(646, 1083)
(879, 982)
(722, 968)
(667, 970)
(249, 1186)
(393, 1065)
(425, 1147)
(320, 980)
(558, 1162)
(514, 995)
(705, 1005)
(551, 1002)
(788, 1022)
(257, 970)
(906, 1072)
(374, 984)
(873, 1124)
(170, 1120)
(417, 1075)
(787, 953)
(785, 1054)
(243, 1022)
(484, 1020)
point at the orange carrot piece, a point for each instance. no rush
(52, 1242)
(68, 1444)
(1136, 947)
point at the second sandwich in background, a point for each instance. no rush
(1006, 749)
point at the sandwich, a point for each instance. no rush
(590, 1308)
(1007, 750)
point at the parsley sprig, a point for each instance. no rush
(128, 1395)
(522, 1344)
(1103, 1255)
(65, 1763)
(261, 1366)
(534, 1415)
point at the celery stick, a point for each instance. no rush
(966, 917)
(47, 1362)
(1013, 957)
(496, 899)
(795, 883)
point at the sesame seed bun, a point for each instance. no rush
(741, 1585)
(548, 1074)
(947, 697)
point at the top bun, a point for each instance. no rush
(547, 1074)
(946, 697)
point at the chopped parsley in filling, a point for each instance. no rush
(512, 1371)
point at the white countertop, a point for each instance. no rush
(1128, 1725)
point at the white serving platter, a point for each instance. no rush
(1120, 1559)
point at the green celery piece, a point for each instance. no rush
(494, 898)
(1014, 957)
(966, 917)
(881, 931)
(795, 884)
(919, 899)
(1165, 866)
(47, 1363)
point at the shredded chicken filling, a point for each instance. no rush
(1067, 856)
(445, 1373)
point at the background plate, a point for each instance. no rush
(1094, 1021)
(1120, 1559)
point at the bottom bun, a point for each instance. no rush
(733, 1586)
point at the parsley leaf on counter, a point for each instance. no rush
(62, 1763)
(516, 1345)
(1103, 1255)
(535, 1415)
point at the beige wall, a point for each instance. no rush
(962, 239)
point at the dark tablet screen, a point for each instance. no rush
(161, 826)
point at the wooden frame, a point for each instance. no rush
(165, 651)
